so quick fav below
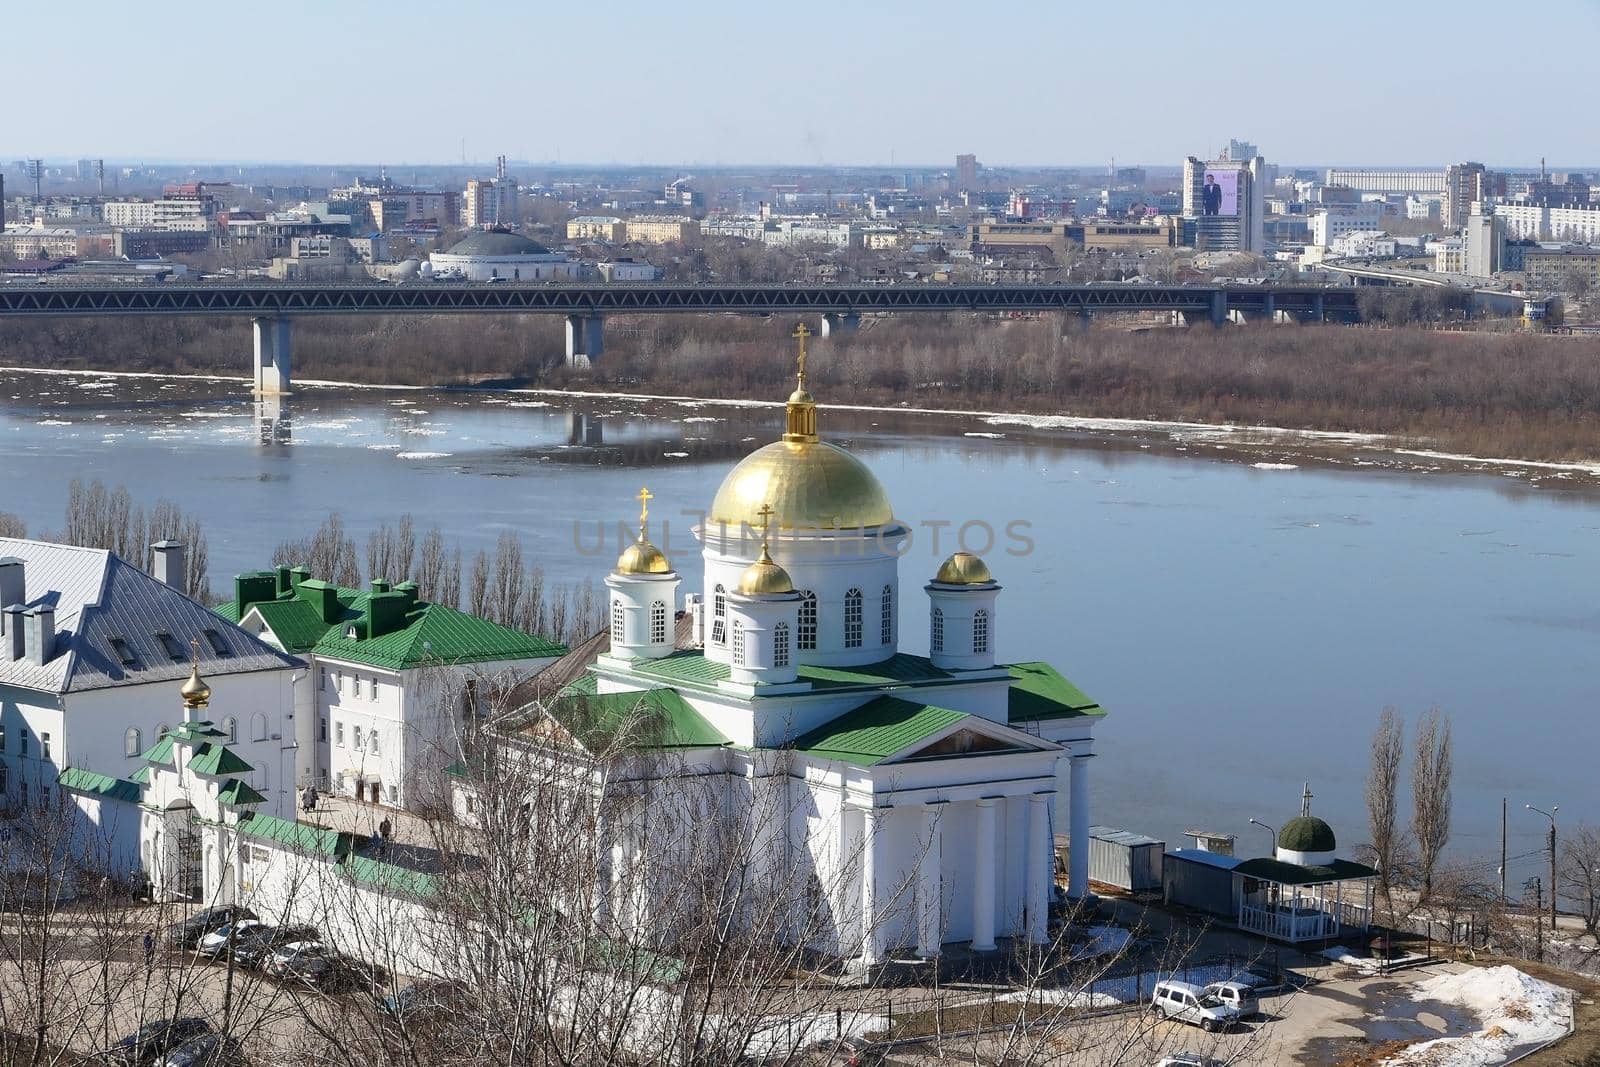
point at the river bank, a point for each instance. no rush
(1264, 447)
(1481, 396)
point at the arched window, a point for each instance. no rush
(852, 619)
(258, 727)
(162, 730)
(980, 631)
(886, 621)
(936, 634)
(780, 645)
(230, 726)
(658, 622)
(738, 643)
(130, 742)
(616, 622)
(808, 621)
(719, 616)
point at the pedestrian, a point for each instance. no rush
(149, 949)
(384, 829)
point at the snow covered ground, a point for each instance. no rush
(1518, 1012)
(1365, 964)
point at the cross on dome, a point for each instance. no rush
(644, 497)
(801, 332)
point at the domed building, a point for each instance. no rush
(488, 255)
(918, 794)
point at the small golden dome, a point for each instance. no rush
(765, 578)
(963, 568)
(195, 692)
(810, 484)
(642, 557)
(802, 396)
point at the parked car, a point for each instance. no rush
(1240, 996)
(425, 1001)
(1190, 1004)
(212, 1050)
(1187, 1059)
(859, 1052)
(308, 961)
(151, 1041)
(187, 934)
(215, 944)
(258, 946)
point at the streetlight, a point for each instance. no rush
(1269, 830)
(1551, 815)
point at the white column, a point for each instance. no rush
(1078, 868)
(1040, 866)
(871, 935)
(929, 925)
(984, 879)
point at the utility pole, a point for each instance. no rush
(1551, 815)
(1538, 921)
(1502, 851)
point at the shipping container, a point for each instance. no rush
(1124, 859)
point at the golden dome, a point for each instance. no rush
(963, 568)
(642, 557)
(195, 692)
(810, 485)
(764, 577)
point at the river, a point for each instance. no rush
(1244, 621)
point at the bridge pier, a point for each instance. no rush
(272, 420)
(585, 341)
(839, 322)
(274, 336)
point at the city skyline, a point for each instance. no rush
(856, 87)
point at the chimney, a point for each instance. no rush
(13, 583)
(15, 647)
(40, 630)
(167, 563)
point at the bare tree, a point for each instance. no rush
(12, 525)
(1431, 768)
(478, 591)
(1383, 790)
(1580, 874)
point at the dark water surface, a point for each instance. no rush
(1244, 625)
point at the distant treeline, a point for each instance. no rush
(1506, 394)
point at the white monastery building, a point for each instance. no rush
(918, 793)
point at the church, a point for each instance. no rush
(916, 795)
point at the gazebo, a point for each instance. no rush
(1305, 892)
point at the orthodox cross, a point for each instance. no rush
(1305, 801)
(645, 496)
(801, 332)
(766, 512)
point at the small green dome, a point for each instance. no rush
(1307, 833)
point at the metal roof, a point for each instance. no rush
(1206, 859)
(1123, 837)
(98, 596)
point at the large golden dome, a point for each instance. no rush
(809, 485)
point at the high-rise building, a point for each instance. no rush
(1387, 179)
(1226, 199)
(967, 172)
(1464, 185)
(1485, 239)
(1238, 152)
(491, 201)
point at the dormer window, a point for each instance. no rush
(218, 645)
(350, 633)
(123, 651)
(172, 647)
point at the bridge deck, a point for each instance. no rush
(155, 298)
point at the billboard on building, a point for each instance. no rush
(1219, 195)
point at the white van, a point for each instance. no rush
(1190, 1004)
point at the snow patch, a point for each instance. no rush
(1517, 1010)
(1276, 466)
(55, 422)
(676, 455)
(420, 455)
(982, 433)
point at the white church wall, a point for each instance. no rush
(105, 835)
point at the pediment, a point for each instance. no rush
(971, 737)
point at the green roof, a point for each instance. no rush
(217, 761)
(901, 667)
(101, 785)
(140, 776)
(391, 877)
(876, 730)
(160, 752)
(195, 731)
(427, 633)
(1307, 833)
(1271, 870)
(648, 718)
(298, 835)
(1039, 693)
(239, 794)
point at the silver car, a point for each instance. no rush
(1188, 1003)
(1240, 996)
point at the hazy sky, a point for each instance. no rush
(822, 82)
